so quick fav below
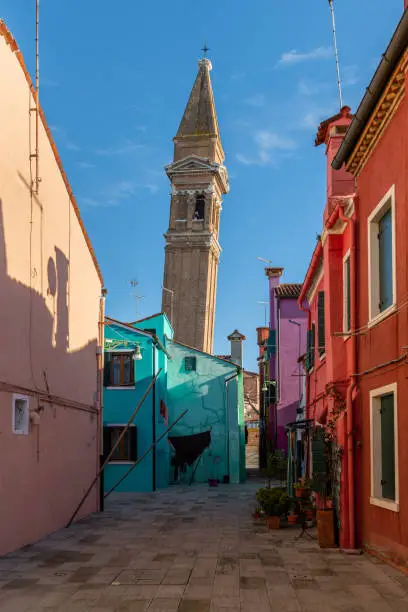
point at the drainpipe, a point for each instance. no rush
(226, 381)
(100, 365)
(154, 418)
(352, 386)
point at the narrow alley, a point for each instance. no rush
(191, 549)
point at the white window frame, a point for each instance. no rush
(26, 429)
(374, 314)
(346, 297)
(375, 447)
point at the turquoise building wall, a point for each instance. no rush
(119, 403)
(212, 403)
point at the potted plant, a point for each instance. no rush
(273, 502)
(302, 488)
(293, 518)
(276, 467)
(325, 511)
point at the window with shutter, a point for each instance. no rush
(127, 448)
(387, 447)
(346, 295)
(312, 345)
(321, 344)
(190, 363)
(272, 343)
(119, 369)
(385, 260)
(382, 257)
(384, 448)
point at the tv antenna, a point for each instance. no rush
(134, 284)
(336, 53)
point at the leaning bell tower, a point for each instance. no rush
(198, 181)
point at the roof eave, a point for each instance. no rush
(390, 58)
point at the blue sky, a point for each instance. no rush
(115, 78)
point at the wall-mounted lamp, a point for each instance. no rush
(137, 355)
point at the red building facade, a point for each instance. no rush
(375, 151)
(356, 292)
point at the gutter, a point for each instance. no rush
(388, 63)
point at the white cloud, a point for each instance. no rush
(86, 165)
(64, 141)
(128, 147)
(257, 101)
(350, 75)
(311, 88)
(313, 118)
(294, 57)
(238, 76)
(94, 203)
(117, 192)
(268, 143)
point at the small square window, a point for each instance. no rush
(190, 364)
(127, 447)
(21, 415)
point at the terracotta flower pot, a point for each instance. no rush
(310, 514)
(273, 522)
(302, 493)
(292, 519)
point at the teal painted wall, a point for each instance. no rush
(210, 405)
(118, 405)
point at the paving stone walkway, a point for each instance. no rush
(191, 549)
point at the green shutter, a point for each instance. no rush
(385, 260)
(320, 463)
(272, 343)
(321, 344)
(132, 432)
(312, 345)
(107, 370)
(387, 447)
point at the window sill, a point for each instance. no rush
(121, 388)
(322, 357)
(382, 315)
(347, 335)
(121, 462)
(385, 503)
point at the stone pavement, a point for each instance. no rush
(191, 549)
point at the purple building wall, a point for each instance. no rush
(283, 365)
(289, 371)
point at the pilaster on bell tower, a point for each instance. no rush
(198, 181)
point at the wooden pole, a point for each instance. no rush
(146, 453)
(118, 441)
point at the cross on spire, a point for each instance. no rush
(205, 49)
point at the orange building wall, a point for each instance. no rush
(49, 312)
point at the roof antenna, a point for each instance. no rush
(336, 53)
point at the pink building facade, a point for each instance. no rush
(51, 325)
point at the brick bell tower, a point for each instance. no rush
(198, 182)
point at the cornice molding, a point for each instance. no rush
(380, 118)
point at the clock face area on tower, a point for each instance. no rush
(198, 181)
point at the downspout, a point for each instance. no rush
(154, 418)
(226, 381)
(100, 365)
(352, 386)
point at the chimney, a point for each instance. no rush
(236, 340)
(331, 133)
